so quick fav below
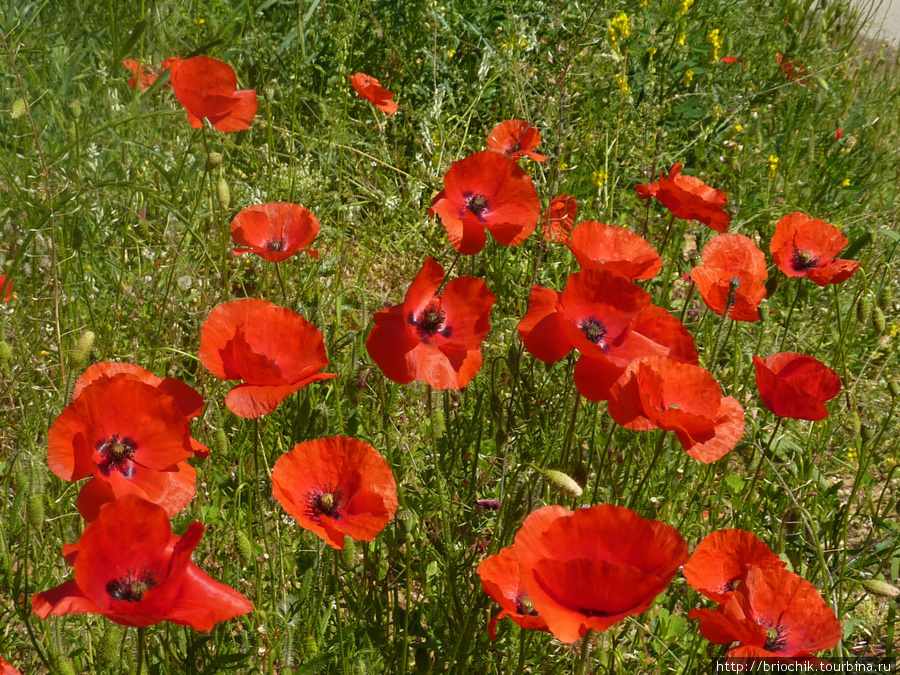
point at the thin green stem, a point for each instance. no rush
(585, 648)
(656, 456)
(787, 321)
(140, 650)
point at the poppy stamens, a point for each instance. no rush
(131, 586)
(430, 323)
(275, 245)
(327, 502)
(116, 453)
(776, 639)
(478, 204)
(594, 330)
(524, 606)
(802, 261)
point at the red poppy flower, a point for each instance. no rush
(590, 568)
(370, 89)
(772, 613)
(838, 133)
(731, 276)
(803, 247)
(793, 70)
(795, 385)
(722, 559)
(609, 320)
(335, 487)
(689, 198)
(486, 190)
(275, 351)
(433, 338)
(657, 393)
(130, 568)
(617, 249)
(188, 400)
(6, 288)
(7, 669)
(207, 88)
(274, 231)
(141, 74)
(131, 437)
(501, 579)
(730, 59)
(515, 139)
(561, 218)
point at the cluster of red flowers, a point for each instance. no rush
(572, 571)
(770, 612)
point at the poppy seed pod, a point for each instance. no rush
(894, 388)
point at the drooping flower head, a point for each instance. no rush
(515, 139)
(609, 320)
(772, 613)
(561, 218)
(657, 393)
(590, 568)
(207, 88)
(796, 385)
(731, 277)
(433, 338)
(142, 76)
(805, 247)
(130, 568)
(721, 561)
(335, 487)
(617, 249)
(370, 89)
(275, 351)
(486, 191)
(131, 437)
(501, 579)
(689, 198)
(274, 231)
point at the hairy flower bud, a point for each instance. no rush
(863, 309)
(563, 482)
(879, 323)
(882, 588)
(223, 193)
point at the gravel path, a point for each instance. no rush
(885, 20)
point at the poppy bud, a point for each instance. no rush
(5, 357)
(244, 549)
(563, 482)
(838, 133)
(81, 353)
(894, 388)
(348, 555)
(111, 644)
(34, 509)
(885, 297)
(437, 422)
(853, 424)
(882, 588)
(221, 442)
(223, 193)
(879, 323)
(863, 309)
(310, 647)
(18, 108)
(213, 161)
(64, 666)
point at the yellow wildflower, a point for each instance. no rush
(623, 83)
(688, 77)
(651, 52)
(739, 128)
(894, 330)
(599, 177)
(852, 455)
(680, 38)
(619, 28)
(845, 182)
(451, 53)
(773, 165)
(685, 6)
(715, 39)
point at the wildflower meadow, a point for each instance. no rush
(416, 337)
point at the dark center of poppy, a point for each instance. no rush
(802, 261)
(430, 322)
(478, 204)
(524, 606)
(132, 585)
(776, 639)
(116, 453)
(275, 245)
(327, 501)
(594, 330)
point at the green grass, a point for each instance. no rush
(111, 224)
